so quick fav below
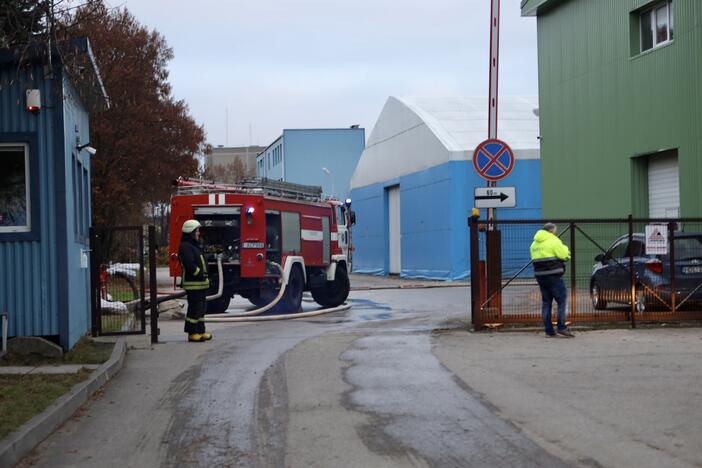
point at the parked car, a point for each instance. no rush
(611, 277)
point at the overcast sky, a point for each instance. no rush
(275, 64)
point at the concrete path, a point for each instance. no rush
(393, 383)
(610, 398)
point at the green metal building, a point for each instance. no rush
(620, 90)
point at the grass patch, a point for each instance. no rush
(86, 351)
(123, 288)
(24, 396)
(114, 323)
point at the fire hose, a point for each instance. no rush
(250, 316)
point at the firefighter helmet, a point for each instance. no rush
(190, 225)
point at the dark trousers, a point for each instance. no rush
(195, 318)
(553, 288)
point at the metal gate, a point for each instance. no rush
(118, 280)
(611, 276)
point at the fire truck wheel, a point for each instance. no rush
(335, 292)
(292, 298)
(218, 306)
(258, 301)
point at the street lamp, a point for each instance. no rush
(329, 173)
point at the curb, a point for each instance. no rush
(20, 442)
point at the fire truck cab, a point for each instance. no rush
(258, 224)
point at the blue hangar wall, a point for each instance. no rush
(434, 207)
(43, 287)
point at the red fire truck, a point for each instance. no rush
(259, 227)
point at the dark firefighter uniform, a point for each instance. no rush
(196, 283)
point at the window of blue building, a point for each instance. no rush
(81, 197)
(14, 188)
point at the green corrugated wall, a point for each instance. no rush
(601, 106)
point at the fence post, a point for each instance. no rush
(142, 280)
(475, 314)
(95, 296)
(153, 290)
(671, 247)
(632, 274)
(573, 282)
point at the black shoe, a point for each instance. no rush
(566, 333)
(550, 335)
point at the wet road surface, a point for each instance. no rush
(359, 388)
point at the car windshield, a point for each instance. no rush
(688, 248)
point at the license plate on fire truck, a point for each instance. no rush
(691, 270)
(252, 245)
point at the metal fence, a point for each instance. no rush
(123, 278)
(621, 270)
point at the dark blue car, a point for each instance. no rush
(611, 277)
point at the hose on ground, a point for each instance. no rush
(264, 318)
(260, 310)
(255, 315)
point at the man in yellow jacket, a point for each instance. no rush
(549, 255)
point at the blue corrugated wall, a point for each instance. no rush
(76, 132)
(434, 207)
(29, 269)
(43, 288)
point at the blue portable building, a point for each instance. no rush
(414, 186)
(325, 157)
(45, 192)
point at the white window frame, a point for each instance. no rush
(652, 10)
(27, 190)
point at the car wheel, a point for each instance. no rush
(598, 301)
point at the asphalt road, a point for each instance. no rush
(392, 382)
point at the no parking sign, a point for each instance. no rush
(493, 159)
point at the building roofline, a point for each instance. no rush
(363, 129)
(535, 7)
(89, 88)
(318, 129)
(274, 142)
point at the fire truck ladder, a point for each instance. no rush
(251, 185)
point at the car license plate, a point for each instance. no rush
(691, 270)
(252, 245)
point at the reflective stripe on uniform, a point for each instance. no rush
(192, 320)
(549, 272)
(195, 285)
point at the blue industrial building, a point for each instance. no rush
(325, 157)
(413, 188)
(45, 193)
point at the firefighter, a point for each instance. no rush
(549, 255)
(195, 281)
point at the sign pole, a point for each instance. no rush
(494, 69)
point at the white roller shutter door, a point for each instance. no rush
(394, 226)
(663, 187)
